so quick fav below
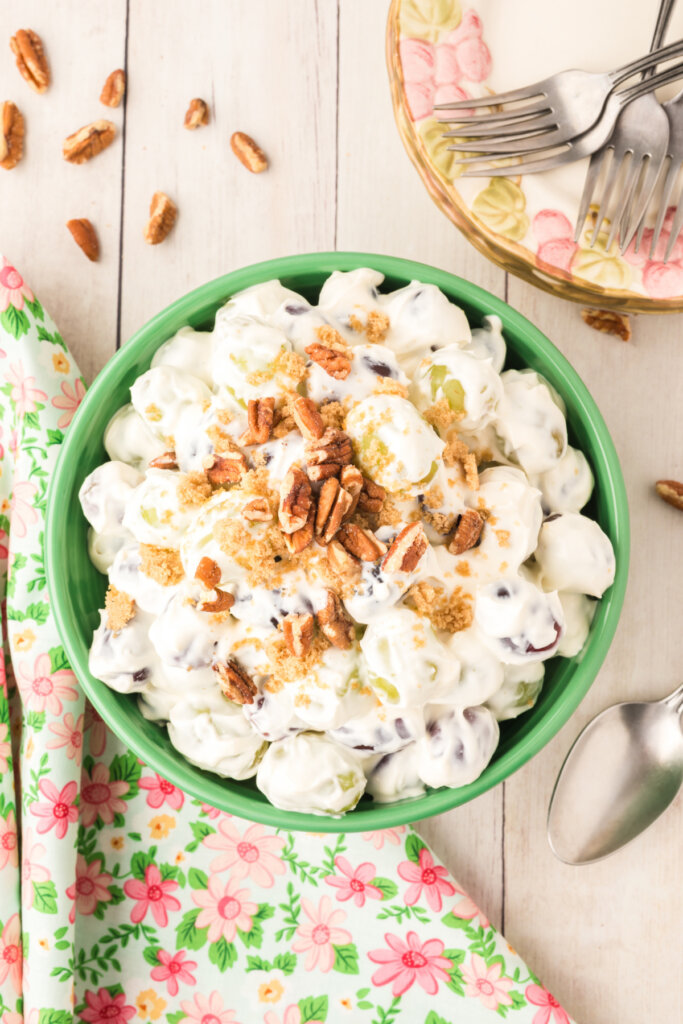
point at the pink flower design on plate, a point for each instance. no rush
(225, 908)
(25, 396)
(154, 893)
(173, 969)
(13, 290)
(70, 399)
(101, 797)
(467, 909)
(69, 733)
(43, 690)
(555, 237)
(428, 876)
(32, 867)
(160, 791)
(11, 953)
(469, 54)
(253, 853)
(58, 809)
(103, 1007)
(22, 512)
(550, 1011)
(207, 1011)
(5, 745)
(354, 883)
(485, 983)
(385, 835)
(90, 888)
(98, 730)
(9, 846)
(322, 933)
(411, 961)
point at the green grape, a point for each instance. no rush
(150, 516)
(385, 687)
(430, 474)
(453, 391)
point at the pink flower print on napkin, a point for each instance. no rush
(58, 808)
(225, 908)
(11, 953)
(153, 894)
(90, 888)
(22, 512)
(207, 1011)
(32, 867)
(212, 812)
(4, 550)
(253, 854)
(318, 937)
(292, 1015)
(100, 796)
(551, 1012)
(428, 876)
(384, 835)
(405, 963)
(555, 237)
(354, 883)
(5, 745)
(467, 909)
(69, 733)
(70, 399)
(25, 396)
(103, 1008)
(13, 289)
(97, 730)
(161, 791)
(485, 983)
(173, 969)
(9, 846)
(43, 690)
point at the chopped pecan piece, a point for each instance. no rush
(371, 497)
(227, 468)
(257, 511)
(166, 461)
(223, 602)
(162, 216)
(335, 623)
(308, 418)
(334, 503)
(670, 491)
(361, 543)
(298, 633)
(326, 456)
(300, 539)
(296, 500)
(83, 234)
(352, 481)
(208, 572)
(335, 364)
(235, 683)
(87, 142)
(27, 47)
(342, 561)
(11, 135)
(197, 114)
(607, 321)
(407, 549)
(114, 88)
(248, 152)
(467, 532)
(260, 414)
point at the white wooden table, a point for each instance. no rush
(307, 79)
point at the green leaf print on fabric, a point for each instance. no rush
(34, 307)
(127, 768)
(434, 1018)
(58, 660)
(188, 936)
(38, 611)
(223, 954)
(200, 830)
(35, 720)
(413, 846)
(55, 1017)
(45, 897)
(176, 1018)
(14, 321)
(55, 437)
(346, 959)
(197, 879)
(285, 962)
(313, 1008)
(456, 982)
(387, 887)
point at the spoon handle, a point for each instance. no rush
(675, 700)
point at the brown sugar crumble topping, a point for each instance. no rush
(193, 489)
(450, 612)
(162, 565)
(120, 608)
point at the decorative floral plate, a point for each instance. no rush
(441, 50)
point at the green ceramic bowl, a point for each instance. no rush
(77, 589)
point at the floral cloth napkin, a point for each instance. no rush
(121, 898)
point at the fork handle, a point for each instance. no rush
(663, 18)
(650, 60)
(672, 74)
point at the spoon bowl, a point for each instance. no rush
(621, 773)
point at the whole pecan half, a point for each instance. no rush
(352, 481)
(83, 234)
(307, 418)
(335, 623)
(407, 549)
(11, 135)
(227, 468)
(223, 603)
(296, 500)
(334, 503)
(607, 321)
(298, 633)
(260, 414)
(248, 152)
(326, 456)
(88, 141)
(361, 543)
(166, 461)
(335, 364)
(236, 684)
(114, 88)
(300, 539)
(371, 497)
(467, 532)
(197, 114)
(670, 491)
(27, 47)
(342, 561)
(162, 216)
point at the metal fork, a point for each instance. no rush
(641, 133)
(674, 111)
(556, 109)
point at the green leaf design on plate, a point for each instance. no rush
(427, 19)
(346, 959)
(501, 207)
(602, 266)
(431, 133)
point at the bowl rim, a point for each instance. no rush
(605, 461)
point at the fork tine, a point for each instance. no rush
(625, 195)
(518, 145)
(636, 219)
(675, 231)
(502, 117)
(592, 175)
(606, 196)
(667, 189)
(530, 167)
(512, 96)
(500, 131)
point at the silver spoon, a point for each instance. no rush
(622, 772)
